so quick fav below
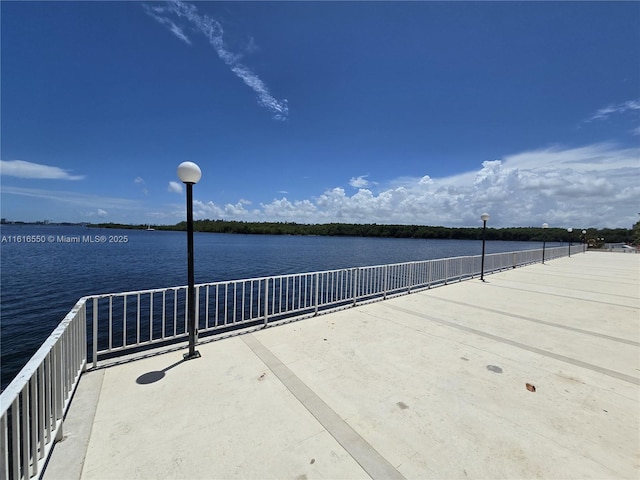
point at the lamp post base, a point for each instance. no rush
(187, 356)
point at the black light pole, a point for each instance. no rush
(584, 241)
(190, 173)
(569, 230)
(544, 240)
(484, 217)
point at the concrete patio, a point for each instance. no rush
(533, 373)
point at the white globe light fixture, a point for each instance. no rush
(190, 174)
(569, 230)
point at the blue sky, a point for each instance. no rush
(366, 112)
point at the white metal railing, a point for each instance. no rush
(129, 321)
(33, 406)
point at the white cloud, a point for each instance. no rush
(594, 185)
(237, 211)
(303, 211)
(636, 131)
(175, 187)
(599, 157)
(359, 182)
(140, 181)
(251, 46)
(73, 198)
(22, 169)
(623, 107)
(177, 31)
(102, 213)
(213, 31)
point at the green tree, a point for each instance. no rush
(636, 233)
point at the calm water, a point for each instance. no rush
(40, 282)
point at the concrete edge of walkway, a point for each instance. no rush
(67, 458)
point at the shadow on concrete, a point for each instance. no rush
(152, 377)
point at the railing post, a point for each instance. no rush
(355, 285)
(83, 334)
(317, 292)
(196, 321)
(266, 301)
(58, 391)
(24, 440)
(33, 425)
(446, 271)
(95, 332)
(4, 446)
(411, 272)
(386, 281)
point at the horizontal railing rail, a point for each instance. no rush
(33, 406)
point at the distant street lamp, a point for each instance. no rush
(190, 173)
(484, 217)
(569, 230)
(544, 240)
(584, 241)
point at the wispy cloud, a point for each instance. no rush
(176, 30)
(74, 198)
(213, 31)
(140, 181)
(175, 187)
(22, 169)
(619, 108)
(359, 182)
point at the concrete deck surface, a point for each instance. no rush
(427, 385)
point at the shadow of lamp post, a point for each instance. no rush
(569, 230)
(189, 173)
(544, 240)
(484, 217)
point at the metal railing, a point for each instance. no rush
(129, 321)
(33, 406)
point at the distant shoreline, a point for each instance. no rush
(594, 237)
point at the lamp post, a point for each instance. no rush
(189, 173)
(484, 217)
(544, 240)
(569, 230)
(584, 241)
